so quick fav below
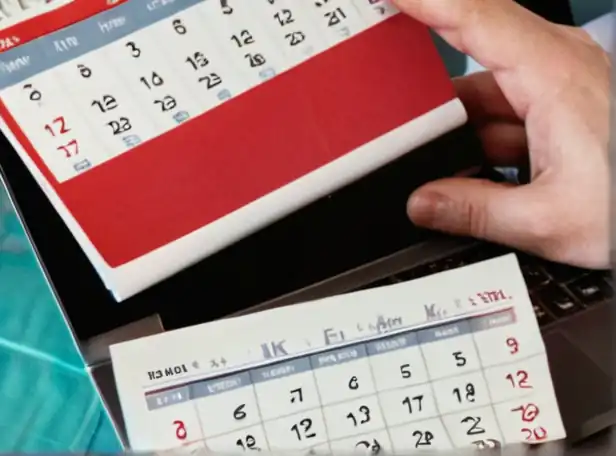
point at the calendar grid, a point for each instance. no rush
(366, 353)
(65, 48)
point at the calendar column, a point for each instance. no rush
(174, 422)
(290, 25)
(47, 115)
(244, 40)
(229, 414)
(461, 391)
(337, 20)
(290, 406)
(350, 402)
(405, 394)
(517, 372)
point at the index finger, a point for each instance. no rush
(499, 34)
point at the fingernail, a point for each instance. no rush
(428, 209)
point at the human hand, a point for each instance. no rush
(545, 99)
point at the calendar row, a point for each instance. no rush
(268, 406)
(480, 427)
(98, 88)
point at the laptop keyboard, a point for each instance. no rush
(557, 291)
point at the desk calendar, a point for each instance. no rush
(165, 130)
(448, 361)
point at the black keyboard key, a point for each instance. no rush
(563, 273)
(543, 317)
(558, 301)
(534, 275)
(609, 278)
(453, 262)
(591, 289)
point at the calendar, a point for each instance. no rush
(165, 130)
(445, 362)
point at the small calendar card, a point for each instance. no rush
(448, 361)
(165, 130)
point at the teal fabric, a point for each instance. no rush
(47, 400)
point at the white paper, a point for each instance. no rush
(448, 361)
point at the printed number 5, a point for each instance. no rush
(180, 430)
(460, 359)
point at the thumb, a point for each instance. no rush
(477, 208)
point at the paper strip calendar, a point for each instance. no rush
(163, 131)
(450, 361)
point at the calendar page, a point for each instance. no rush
(448, 361)
(165, 130)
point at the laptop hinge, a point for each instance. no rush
(96, 349)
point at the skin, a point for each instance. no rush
(544, 100)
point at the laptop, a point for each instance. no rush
(356, 238)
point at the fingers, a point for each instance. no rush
(483, 99)
(496, 33)
(481, 209)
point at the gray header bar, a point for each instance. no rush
(459, 328)
(495, 320)
(399, 342)
(220, 385)
(339, 356)
(286, 369)
(27, 60)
